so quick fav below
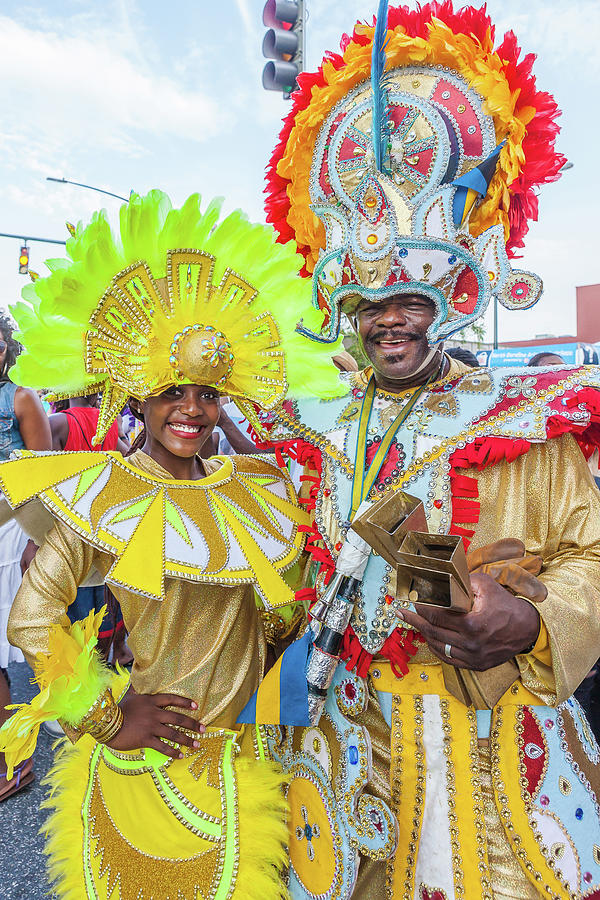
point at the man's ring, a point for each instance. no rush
(448, 650)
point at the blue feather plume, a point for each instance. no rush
(379, 87)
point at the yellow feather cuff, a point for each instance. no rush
(71, 677)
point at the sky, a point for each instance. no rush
(135, 95)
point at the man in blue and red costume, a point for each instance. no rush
(451, 760)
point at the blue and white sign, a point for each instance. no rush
(574, 354)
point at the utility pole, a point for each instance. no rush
(24, 251)
(24, 239)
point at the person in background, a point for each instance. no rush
(544, 358)
(74, 424)
(23, 424)
(464, 356)
(229, 437)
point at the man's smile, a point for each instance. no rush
(390, 342)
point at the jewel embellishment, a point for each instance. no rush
(533, 751)
(564, 786)
(521, 386)
(520, 290)
(442, 404)
(428, 893)
(309, 832)
(197, 347)
(216, 349)
(375, 817)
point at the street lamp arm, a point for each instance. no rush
(89, 187)
(21, 237)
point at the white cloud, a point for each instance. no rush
(83, 88)
(558, 31)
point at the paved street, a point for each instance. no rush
(21, 856)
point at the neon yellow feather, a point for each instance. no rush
(71, 677)
(55, 314)
(262, 828)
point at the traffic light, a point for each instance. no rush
(24, 261)
(284, 44)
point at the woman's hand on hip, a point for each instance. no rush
(148, 723)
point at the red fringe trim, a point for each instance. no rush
(311, 457)
(398, 648)
(489, 451)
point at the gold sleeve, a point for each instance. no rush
(49, 586)
(549, 500)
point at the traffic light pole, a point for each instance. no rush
(284, 45)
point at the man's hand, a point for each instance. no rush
(498, 627)
(146, 722)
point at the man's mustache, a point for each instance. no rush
(394, 336)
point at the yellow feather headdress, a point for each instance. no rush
(177, 298)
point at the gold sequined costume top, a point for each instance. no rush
(178, 644)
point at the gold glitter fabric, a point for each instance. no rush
(549, 501)
(139, 823)
(506, 875)
(204, 642)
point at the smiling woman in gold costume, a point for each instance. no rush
(161, 794)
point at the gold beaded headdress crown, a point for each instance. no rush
(134, 316)
(409, 162)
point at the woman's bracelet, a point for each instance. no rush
(104, 719)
